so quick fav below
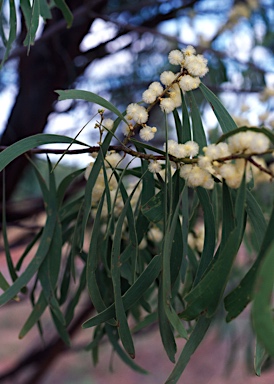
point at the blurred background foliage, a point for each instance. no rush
(116, 48)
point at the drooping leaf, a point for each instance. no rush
(113, 338)
(132, 295)
(36, 313)
(24, 145)
(225, 120)
(92, 98)
(238, 299)
(191, 345)
(210, 237)
(262, 312)
(206, 295)
(198, 131)
(186, 134)
(61, 4)
(33, 23)
(12, 31)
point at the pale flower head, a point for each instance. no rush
(154, 167)
(260, 143)
(113, 159)
(216, 151)
(172, 148)
(167, 105)
(155, 234)
(167, 77)
(227, 170)
(125, 129)
(199, 177)
(185, 170)
(108, 124)
(192, 148)
(205, 162)
(176, 57)
(146, 133)
(149, 96)
(196, 65)
(248, 142)
(189, 50)
(181, 151)
(187, 83)
(156, 87)
(175, 95)
(191, 240)
(138, 113)
(143, 244)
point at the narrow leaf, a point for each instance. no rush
(65, 10)
(262, 313)
(191, 345)
(225, 120)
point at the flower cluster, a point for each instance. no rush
(192, 68)
(167, 92)
(219, 160)
(111, 160)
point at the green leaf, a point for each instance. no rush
(166, 331)
(228, 222)
(45, 10)
(9, 260)
(75, 300)
(153, 210)
(92, 98)
(238, 299)
(256, 218)
(206, 295)
(113, 338)
(178, 126)
(34, 316)
(65, 184)
(259, 358)
(191, 345)
(132, 295)
(27, 250)
(86, 205)
(225, 120)
(3, 283)
(148, 320)
(121, 317)
(92, 263)
(26, 9)
(197, 125)
(33, 24)
(24, 145)
(209, 242)
(166, 272)
(186, 135)
(62, 332)
(139, 145)
(262, 312)
(12, 31)
(65, 10)
(42, 251)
